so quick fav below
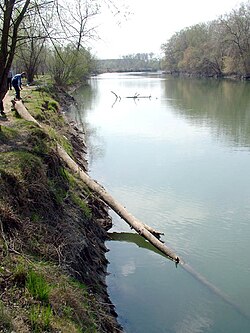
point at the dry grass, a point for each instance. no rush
(37, 297)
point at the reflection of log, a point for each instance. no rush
(141, 228)
(142, 243)
(116, 206)
(134, 238)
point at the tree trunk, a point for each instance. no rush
(23, 112)
(134, 223)
(141, 228)
(8, 40)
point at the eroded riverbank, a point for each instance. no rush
(53, 229)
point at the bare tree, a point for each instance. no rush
(11, 16)
(76, 20)
(237, 35)
(31, 45)
(71, 23)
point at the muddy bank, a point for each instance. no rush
(48, 215)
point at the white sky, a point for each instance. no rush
(152, 23)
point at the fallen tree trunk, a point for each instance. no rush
(147, 232)
(104, 195)
(24, 113)
(141, 228)
(117, 207)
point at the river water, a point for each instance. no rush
(179, 161)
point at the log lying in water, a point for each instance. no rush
(134, 223)
(135, 96)
(142, 229)
(138, 96)
(147, 232)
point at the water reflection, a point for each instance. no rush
(193, 323)
(223, 105)
(220, 105)
(85, 98)
(142, 243)
(134, 238)
(172, 162)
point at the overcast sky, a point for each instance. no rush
(152, 23)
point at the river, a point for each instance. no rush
(180, 162)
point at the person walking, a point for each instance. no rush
(17, 84)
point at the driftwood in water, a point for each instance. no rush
(116, 96)
(136, 95)
(142, 229)
(134, 223)
(147, 232)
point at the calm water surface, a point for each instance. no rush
(179, 162)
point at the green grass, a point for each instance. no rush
(45, 299)
(82, 204)
(22, 125)
(75, 182)
(37, 286)
(58, 191)
(44, 108)
(71, 179)
(61, 139)
(7, 134)
(20, 164)
(41, 318)
(40, 141)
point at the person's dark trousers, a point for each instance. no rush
(1, 107)
(9, 83)
(17, 89)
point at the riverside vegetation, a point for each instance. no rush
(219, 48)
(52, 228)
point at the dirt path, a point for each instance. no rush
(5, 120)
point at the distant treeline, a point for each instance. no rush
(140, 62)
(218, 48)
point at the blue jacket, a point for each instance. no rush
(17, 80)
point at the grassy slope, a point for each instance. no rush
(52, 263)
